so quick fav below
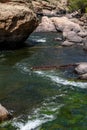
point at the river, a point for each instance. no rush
(43, 99)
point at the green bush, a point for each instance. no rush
(78, 5)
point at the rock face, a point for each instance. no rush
(17, 22)
(4, 114)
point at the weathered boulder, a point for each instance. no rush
(81, 68)
(4, 114)
(17, 22)
(46, 25)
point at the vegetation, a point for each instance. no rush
(78, 5)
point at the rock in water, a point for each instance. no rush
(4, 114)
(17, 22)
(81, 68)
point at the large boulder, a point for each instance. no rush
(17, 22)
(4, 114)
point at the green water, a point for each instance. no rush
(43, 100)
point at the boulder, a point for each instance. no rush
(17, 22)
(81, 68)
(63, 22)
(83, 76)
(4, 114)
(72, 37)
(67, 43)
(46, 25)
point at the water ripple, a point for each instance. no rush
(59, 80)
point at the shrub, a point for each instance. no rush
(78, 5)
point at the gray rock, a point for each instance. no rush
(73, 37)
(62, 22)
(81, 68)
(46, 25)
(58, 39)
(83, 76)
(67, 43)
(82, 34)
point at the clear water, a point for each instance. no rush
(43, 100)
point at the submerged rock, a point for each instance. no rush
(17, 22)
(4, 114)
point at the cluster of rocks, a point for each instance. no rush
(48, 8)
(72, 32)
(81, 70)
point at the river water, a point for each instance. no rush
(43, 99)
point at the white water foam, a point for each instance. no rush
(35, 123)
(39, 117)
(30, 125)
(62, 81)
(41, 40)
(38, 39)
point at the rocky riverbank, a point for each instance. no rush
(72, 32)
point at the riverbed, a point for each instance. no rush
(43, 99)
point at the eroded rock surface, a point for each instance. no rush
(17, 22)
